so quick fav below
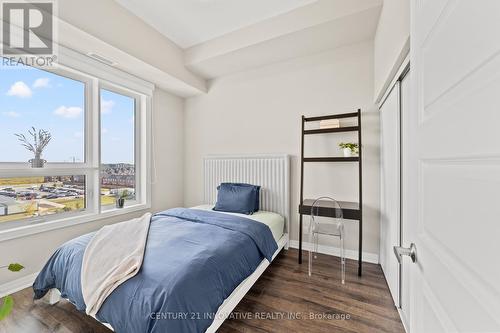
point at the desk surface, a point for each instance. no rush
(326, 208)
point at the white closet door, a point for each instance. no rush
(390, 191)
(405, 235)
(453, 157)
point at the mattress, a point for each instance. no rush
(274, 221)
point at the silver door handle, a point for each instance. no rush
(406, 251)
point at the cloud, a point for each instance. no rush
(104, 131)
(42, 82)
(78, 135)
(107, 106)
(68, 112)
(20, 89)
(11, 114)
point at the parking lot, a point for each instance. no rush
(23, 201)
(31, 192)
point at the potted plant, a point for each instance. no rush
(120, 199)
(8, 302)
(39, 142)
(349, 148)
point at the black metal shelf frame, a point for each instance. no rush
(351, 210)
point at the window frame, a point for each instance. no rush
(95, 76)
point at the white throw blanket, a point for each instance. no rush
(112, 256)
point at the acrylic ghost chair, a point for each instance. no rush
(330, 228)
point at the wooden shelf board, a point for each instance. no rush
(332, 130)
(326, 208)
(333, 116)
(332, 159)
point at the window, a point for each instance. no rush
(117, 147)
(71, 142)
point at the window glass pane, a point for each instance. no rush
(30, 97)
(117, 148)
(29, 197)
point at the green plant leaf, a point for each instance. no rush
(350, 145)
(6, 308)
(15, 267)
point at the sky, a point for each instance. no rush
(33, 97)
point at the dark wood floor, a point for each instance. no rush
(284, 299)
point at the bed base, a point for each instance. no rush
(229, 303)
(237, 295)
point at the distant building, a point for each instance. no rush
(120, 180)
(9, 206)
(120, 174)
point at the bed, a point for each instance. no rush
(210, 288)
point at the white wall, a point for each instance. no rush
(168, 134)
(391, 43)
(168, 144)
(259, 111)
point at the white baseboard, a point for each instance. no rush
(335, 251)
(18, 284)
(405, 324)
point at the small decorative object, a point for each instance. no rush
(329, 123)
(120, 200)
(41, 139)
(349, 148)
(8, 302)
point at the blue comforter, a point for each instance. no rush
(194, 259)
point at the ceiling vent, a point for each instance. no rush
(102, 59)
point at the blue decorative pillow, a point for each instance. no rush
(256, 189)
(237, 198)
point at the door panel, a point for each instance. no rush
(389, 196)
(477, 185)
(452, 177)
(454, 49)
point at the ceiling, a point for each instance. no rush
(191, 22)
(221, 37)
(235, 54)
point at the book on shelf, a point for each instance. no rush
(329, 123)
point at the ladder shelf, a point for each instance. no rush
(350, 210)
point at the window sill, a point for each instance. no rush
(68, 222)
